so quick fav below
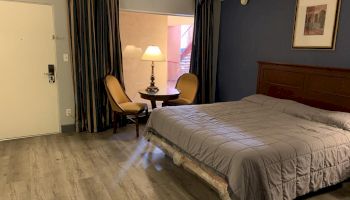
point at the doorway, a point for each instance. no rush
(29, 101)
(172, 34)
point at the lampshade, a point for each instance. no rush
(153, 53)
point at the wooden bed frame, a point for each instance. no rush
(320, 87)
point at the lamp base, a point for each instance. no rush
(152, 89)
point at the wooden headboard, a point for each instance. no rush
(320, 87)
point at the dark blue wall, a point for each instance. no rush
(262, 31)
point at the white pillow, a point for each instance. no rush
(258, 98)
(274, 103)
(332, 118)
(337, 119)
(302, 111)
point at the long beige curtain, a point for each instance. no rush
(96, 52)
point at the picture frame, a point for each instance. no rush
(316, 24)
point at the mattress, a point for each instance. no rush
(266, 148)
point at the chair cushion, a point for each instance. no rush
(179, 101)
(133, 108)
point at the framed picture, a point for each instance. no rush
(316, 23)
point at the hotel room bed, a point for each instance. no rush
(265, 147)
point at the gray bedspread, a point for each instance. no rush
(266, 148)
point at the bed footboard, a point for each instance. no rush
(180, 159)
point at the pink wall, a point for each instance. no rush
(174, 37)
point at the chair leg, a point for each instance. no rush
(137, 125)
(115, 122)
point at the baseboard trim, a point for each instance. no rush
(69, 128)
(27, 136)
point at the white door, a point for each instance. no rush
(28, 102)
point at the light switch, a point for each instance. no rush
(68, 112)
(65, 57)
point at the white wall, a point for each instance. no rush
(175, 7)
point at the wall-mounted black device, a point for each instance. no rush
(51, 73)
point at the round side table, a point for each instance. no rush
(161, 95)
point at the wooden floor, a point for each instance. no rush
(99, 167)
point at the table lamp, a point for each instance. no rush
(153, 54)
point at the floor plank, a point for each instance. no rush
(101, 166)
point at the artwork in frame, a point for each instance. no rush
(316, 24)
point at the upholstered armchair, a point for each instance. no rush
(187, 84)
(121, 103)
